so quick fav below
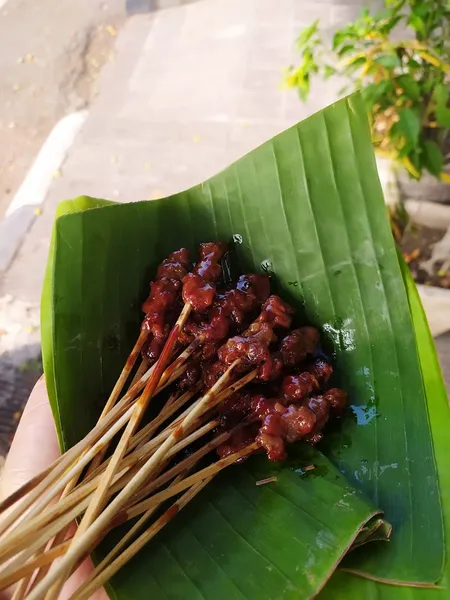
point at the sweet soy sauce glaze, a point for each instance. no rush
(238, 323)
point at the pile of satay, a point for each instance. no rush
(238, 380)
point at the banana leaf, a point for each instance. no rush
(344, 586)
(307, 207)
(318, 512)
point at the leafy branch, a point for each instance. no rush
(404, 82)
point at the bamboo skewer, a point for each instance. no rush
(213, 469)
(142, 369)
(127, 502)
(37, 509)
(11, 575)
(40, 560)
(139, 408)
(104, 571)
(185, 464)
(37, 486)
(98, 501)
(118, 387)
(61, 535)
(86, 590)
(131, 459)
(93, 436)
(129, 364)
(82, 497)
(225, 393)
(33, 545)
(129, 535)
(79, 546)
(169, 375)
(127, 485)
(30, 485)
(54, 474)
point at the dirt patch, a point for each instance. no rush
(417, 244)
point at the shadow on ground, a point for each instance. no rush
(18, 374)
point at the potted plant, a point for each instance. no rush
(404, 82)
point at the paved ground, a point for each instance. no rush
(50, 57)
(192, 88)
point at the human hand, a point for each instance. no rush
(35, 447)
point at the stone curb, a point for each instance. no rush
(26, 203)
(429, 214)
(436, 302)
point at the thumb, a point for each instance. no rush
(35, 444)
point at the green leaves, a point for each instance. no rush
(409, 86)
(441, 94)
(442, 112)
(443, 116)
(409, 125)
(402, 80)
(307, 34)
(389, 61)
(375, 93)
(432, 158)
(309, 204)
(407, 130)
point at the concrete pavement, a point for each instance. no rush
(50, 56)
(192, 88)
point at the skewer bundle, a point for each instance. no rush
(240, 381)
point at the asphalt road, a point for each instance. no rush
(50, 56)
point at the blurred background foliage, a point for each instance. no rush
(400, 60)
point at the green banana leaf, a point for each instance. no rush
(251, 523)
(306, 206)
(344, 586)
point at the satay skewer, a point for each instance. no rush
(42, 560)
(86, 591)
(102, 576)
(16, 570)
(81, 497)
(12, 576)
(225, 393)
(197, 292)
(246, 283)
(48, 476)
(84, 541)
(170, 374)
(56, 523)
(252, 374)
(147, 449)
(258, 327)
(137, 413)
(232, 355)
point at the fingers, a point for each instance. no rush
(35, 445)
(77, 579)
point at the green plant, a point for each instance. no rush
(404, 83)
